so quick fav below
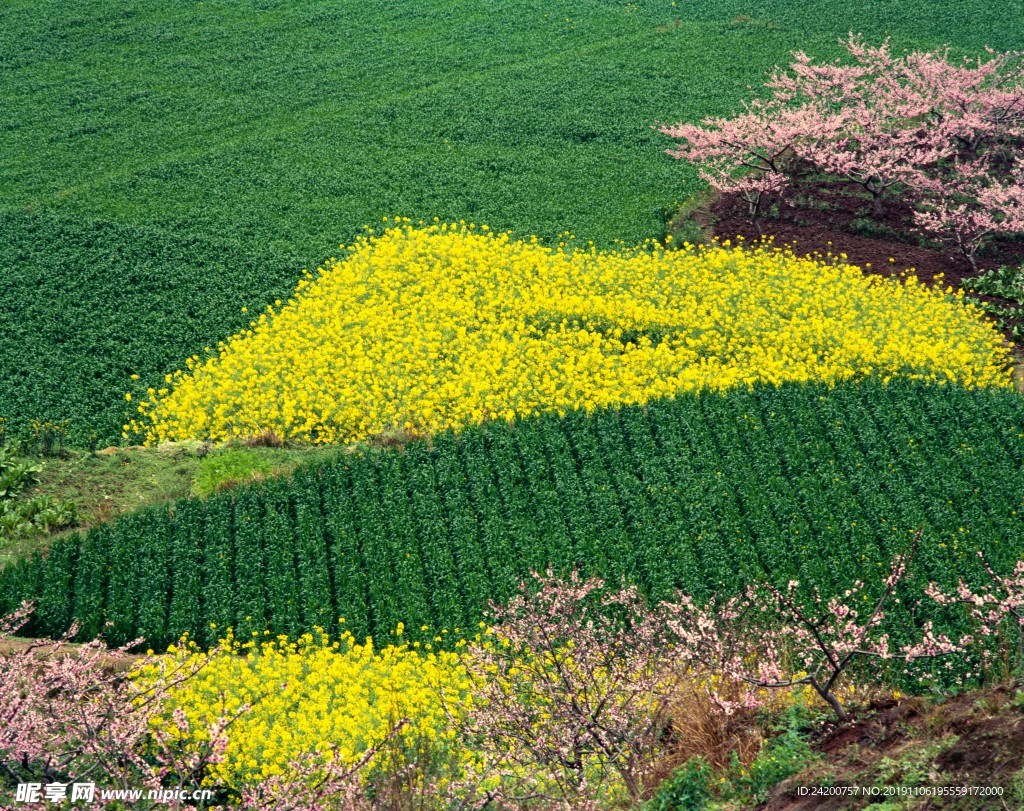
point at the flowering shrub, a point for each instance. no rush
(421, 329)
(748, 154)
(571, 689)
(770, 638)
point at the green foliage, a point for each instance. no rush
(701, 493)
(1007, 283)
(689, 788)
(915, 765)
(696, 785)
(782, 756)
(868, 227)
(16, 474)
(110, 301)
(1015, 789)
(228, 468)
(203, 153)
(22, 514)
(686, 229)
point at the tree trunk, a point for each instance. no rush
(754, 206)
(876, 205)
(832, 701)
(969, 256)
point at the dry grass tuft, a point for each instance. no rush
(265, 439)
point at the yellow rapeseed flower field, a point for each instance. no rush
(422, 328)
(308, 696)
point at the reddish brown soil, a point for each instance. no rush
(818, 219)
(988, 751)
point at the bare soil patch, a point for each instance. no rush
(975, 739)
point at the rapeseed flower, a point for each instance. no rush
(421, 329)
(310, 695)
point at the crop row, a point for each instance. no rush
(699, 492)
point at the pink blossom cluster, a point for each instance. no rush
(768, 638)
(996, 607)
(571, 689)
(947, 134)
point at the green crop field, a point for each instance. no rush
(164, 164)
(700, 493)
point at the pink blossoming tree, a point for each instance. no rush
(571, 688)
(880, 132)
(769, 638)
(947, 135)
(972, 204)
(747, 155)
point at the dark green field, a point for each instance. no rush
(704, 493)
(163, 164)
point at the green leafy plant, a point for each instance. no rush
(689, 788)
(12, 525)
(20, 514)
(687, 229)
(866, 226)
(16, 474)
(1016, 788)
(1007, 283)
(48, 513)
(916, 766)
(782, 756)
